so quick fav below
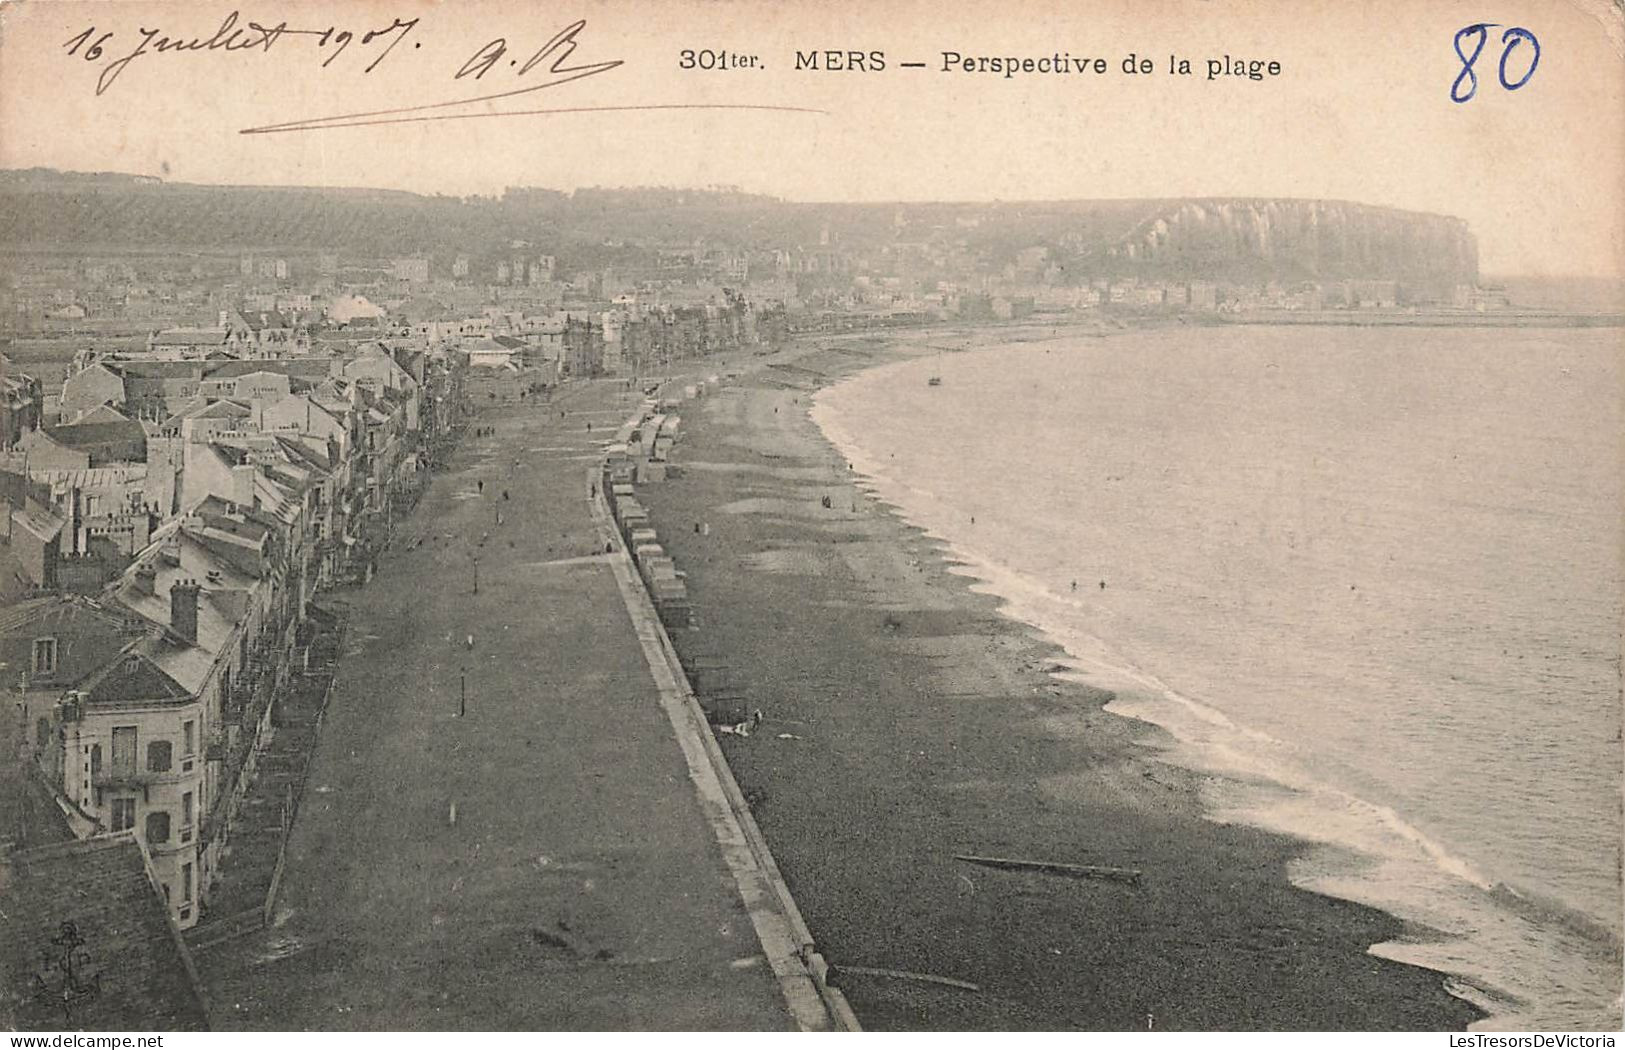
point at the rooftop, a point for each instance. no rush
(191, 336)
(95, 898)
(86, 435)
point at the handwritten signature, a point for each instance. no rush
(559, 48)
(550, 61)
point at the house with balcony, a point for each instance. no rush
(115, 739)
(209, 597)
(142, 706)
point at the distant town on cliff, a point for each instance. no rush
(618, 240)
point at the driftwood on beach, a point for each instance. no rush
(1051, 867)
(909, 975)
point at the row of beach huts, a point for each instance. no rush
(638, 456)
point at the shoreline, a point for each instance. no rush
(933, 720)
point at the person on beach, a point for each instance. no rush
(481, 484)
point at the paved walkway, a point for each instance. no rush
(539, 863)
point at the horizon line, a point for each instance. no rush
(720, 189)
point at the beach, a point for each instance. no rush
(906, 722)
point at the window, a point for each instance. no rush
(123, 750)
(158, 759)
(157, 828)
(186, 809)
(95, 759)
(42, 732)
(123, 814)
(186, 883)
(45, 656)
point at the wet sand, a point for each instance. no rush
(907, 721)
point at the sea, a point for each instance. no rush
(1366, 579)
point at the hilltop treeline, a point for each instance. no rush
(1268, 238)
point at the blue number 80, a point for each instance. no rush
(1509, 40)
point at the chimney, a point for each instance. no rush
(75, 517)
(183, 610)
(242, 485)
(146, 579)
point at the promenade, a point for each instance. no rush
(500, 829)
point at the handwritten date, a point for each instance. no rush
(254, 37)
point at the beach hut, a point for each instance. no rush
(630, 514)
(718, 689)
(633, 516)
(648, 432)
(671, 603)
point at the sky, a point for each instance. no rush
(1361, 109)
